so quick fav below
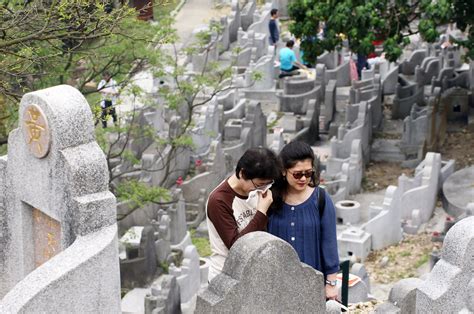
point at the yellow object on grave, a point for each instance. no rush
(310, 73)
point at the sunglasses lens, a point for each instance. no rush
(299, 175)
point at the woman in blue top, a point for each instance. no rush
(295, 215)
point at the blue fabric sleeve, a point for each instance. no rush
(329, 254)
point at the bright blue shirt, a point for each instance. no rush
(314, 239)
(287, 57)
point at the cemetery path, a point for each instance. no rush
(195, 13)
(192, 14)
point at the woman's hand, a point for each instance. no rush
(331, 292)
(264, 201)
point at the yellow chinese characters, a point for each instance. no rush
(47, 237)
(35, 128)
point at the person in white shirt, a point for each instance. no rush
(108, 88)
(239, 204)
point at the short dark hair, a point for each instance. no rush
(290, 43)
(273, 12)
(259, 163)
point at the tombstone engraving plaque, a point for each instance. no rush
(46, 237)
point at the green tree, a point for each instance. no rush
(74, 42)
(46, 43)
(463, 16)
(362, 22)
(182, 94)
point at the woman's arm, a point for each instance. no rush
(221, 215)
(330, 257)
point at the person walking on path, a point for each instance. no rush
(108, 88)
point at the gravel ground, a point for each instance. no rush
(400, 261)
(459, 145)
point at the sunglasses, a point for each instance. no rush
(299, 174)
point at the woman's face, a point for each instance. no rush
(303, 171)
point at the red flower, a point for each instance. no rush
(179, 181)
(198, 162)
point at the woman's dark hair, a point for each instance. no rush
(259, 163)
(289, 156)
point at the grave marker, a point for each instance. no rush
(46, 235)
(36, 131)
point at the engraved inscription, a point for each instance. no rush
(46, 235)
(36, 131)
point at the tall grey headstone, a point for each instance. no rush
(140, 267)
(162, 243)
(179, 236)
(59, 241)
(448, 288)
(164, 297)
(263, 274)
(188, 275)
(402, 297)
(444, 291)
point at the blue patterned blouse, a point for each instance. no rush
(314, 239)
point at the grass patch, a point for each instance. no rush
(202, 244)
(405, 254)
(422, 260)
(3, 149)
(404, 258)
(387, 136)
(274, 123)
(166, 267)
